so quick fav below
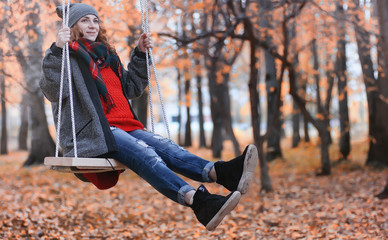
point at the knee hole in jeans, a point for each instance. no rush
(142, 143)
(158, 160)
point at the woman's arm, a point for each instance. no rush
(136, 77)
(51, 74)
(51, 68)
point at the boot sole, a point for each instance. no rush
(250, 164)
(228, 206)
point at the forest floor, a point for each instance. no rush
(38, 203)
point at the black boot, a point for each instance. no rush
(237, 174)
(210, 209)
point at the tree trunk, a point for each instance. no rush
(179, 118)
(4, 134)
(23, 130)
(323, 125)
(341, 73)
(42, 144)
(188, 141)
(273, 142)
(381, 114)
(202, 137)
(325, 143)
(217, 136)
(255, 105)
(295, 125)
(198, 56)
(305, 120)
(226, 113)
(296, 111)
(364, 54)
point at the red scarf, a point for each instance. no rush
(97, 56)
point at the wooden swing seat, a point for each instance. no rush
(83, 165)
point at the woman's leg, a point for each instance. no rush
(144, 161)
(135, 152)
(236, 174)
(177, 158)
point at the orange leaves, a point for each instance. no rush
(197, 6)
(42, 204)
(32, 35)
(320, 116)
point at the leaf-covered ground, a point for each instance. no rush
(38, 203)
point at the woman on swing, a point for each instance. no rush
(106, 126)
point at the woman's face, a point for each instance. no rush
(89, 26)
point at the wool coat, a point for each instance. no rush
(93, 135)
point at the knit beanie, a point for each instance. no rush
(77, 11)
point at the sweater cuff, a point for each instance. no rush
(57, 51)
(139, 53)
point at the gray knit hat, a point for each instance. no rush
(77, 11)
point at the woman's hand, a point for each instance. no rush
(145, 42)
(63, 36)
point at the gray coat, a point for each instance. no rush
(93, 134)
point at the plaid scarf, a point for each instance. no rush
(97, 56)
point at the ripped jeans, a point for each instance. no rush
(156, 159)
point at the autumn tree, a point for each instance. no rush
(377, 155)
(341, 74)
(290, 11)
(268, 23)
(4, 134)
(4, 138)
(296, 116)
(217, 61)
(249, 34)
(221, 54)
(29, 36)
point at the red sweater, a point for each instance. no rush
(120, 115)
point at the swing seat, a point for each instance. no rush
(83, 165)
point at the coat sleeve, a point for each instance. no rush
(51, 75)
(135, 79)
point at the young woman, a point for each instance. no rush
(107, 126)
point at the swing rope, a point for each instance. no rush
(149, 56)
(66, 59)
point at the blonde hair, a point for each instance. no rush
(76, 34)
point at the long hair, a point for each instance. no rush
(76, 34)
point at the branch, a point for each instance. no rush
(4, 73)
(184, 41)
(296, 12)
(16, 48)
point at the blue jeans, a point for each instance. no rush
(155, 159)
